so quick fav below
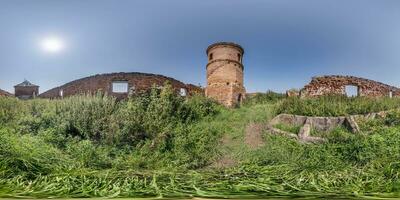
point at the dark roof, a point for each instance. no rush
(225, 43)
(26, 83)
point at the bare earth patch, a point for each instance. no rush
(253, 135)
(226, 160)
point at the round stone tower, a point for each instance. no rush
(225, 73)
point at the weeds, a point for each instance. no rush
(336, 105)
(159, 144)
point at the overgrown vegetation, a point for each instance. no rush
(263, 98)
(336, 105)
(159, 144)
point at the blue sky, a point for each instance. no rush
(286, 42)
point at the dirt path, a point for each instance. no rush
(253, 135)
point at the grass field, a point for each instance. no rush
(161, 145)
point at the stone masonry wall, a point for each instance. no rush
(325, 85)
(137, 82)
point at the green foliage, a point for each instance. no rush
(158, 144)
(10, 109)
(160, 112)
(86, 154)
(28, 155)
(263, 98)
(95, 130)
(288, 128)
(393, 118)
(336, 105)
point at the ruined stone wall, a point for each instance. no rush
(193, 89)
(137, 82)
(225, 73)
(26, 92)
(325, 85)
(5, 93)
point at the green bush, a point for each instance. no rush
(392, 118)
(159, 112)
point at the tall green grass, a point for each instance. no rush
(158, 144)
(336, 105)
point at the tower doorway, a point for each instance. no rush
(239, 99)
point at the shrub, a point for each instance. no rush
(392, 118)
(88, 117)
(159, 112)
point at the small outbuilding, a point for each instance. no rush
(26, 90)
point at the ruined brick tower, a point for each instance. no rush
(225, 73)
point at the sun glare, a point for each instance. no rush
(52, 45)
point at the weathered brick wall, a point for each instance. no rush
(5, 93)
(325, 85)
(137, 82)
(26, 92)
(193, 89)
(225, 73)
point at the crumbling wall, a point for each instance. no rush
(4, 93)
(325, 85)
(137, 82)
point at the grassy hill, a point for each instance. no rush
(161, 145)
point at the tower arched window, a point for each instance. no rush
(211, 56)
(239, 57)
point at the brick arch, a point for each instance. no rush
(325, 85)
(103, 82)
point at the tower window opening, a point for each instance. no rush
(211, 56)
(239, 57)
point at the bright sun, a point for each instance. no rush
(52, 44)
